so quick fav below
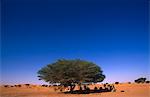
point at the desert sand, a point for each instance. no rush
(130, 90)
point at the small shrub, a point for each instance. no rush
(147, 82)
(140, 80)
(122, 91)
(19, 85)
(116, 83)
(6, 86)
(27, 85)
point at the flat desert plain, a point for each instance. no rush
(130, 90)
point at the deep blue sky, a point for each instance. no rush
(110, 33)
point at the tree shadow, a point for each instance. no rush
(87, 90)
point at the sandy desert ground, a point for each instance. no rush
(130, 90)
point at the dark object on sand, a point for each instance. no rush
(147, 81)
(6, 86)
(116, 83)
(140, 80)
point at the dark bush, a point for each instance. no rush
(147, 82)
(6, 86)
(27, 85)
(140, 80)
(122, 91)
(116, 83)
(19, 85)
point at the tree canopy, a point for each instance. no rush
(67, 72)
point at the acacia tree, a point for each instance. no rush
(140, 80)
(71, 72)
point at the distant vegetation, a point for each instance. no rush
(141, 80)
(147, 81)
(71, 72)
(116, 83)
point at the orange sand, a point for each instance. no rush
(130, 90)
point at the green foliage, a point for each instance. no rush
(69, 72)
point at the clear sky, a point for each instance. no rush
(110, 33)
